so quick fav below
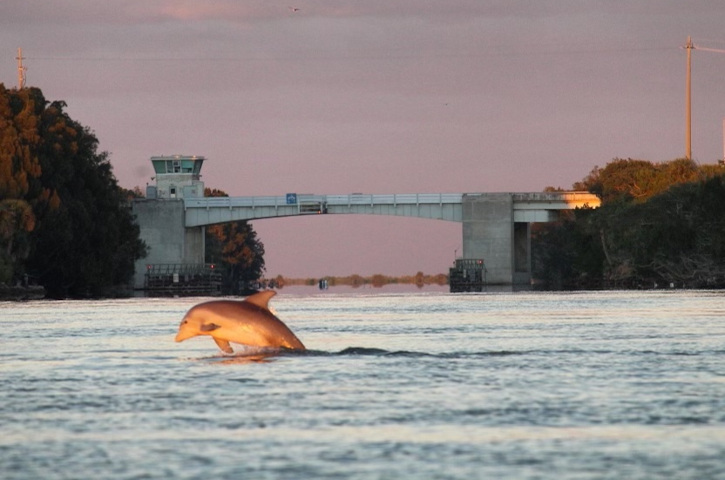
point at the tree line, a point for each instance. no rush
(377, 280)
(64, 221)
(659, 225)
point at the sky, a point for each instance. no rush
(376, 96)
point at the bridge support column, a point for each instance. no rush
(522, 253)
(489, 232)
(161, 223)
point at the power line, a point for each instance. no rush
(494, 52)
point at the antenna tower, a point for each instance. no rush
(688, 101)
(21, 69)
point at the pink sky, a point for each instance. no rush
(375, 96)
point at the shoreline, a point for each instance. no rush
(20, 293)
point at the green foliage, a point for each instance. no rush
(6, 268)
(637, 180)
(659, 224)
(235, 246)
(678, 236)
(19, 139)
(568, 255)
(81, 239)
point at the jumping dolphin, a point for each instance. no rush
(248, 322)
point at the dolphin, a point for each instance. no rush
(249, 322)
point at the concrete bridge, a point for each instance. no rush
(526, 207)
(495, 226)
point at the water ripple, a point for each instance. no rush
(512, 386)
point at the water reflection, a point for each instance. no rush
(243, 359)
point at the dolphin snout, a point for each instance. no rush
(184, 333)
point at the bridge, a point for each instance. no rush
(526, 207)
(495, 226)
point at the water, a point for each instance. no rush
(396, 385)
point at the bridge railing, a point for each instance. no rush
(559, 200)
(393, 199)
(211, 202)
(555, 200)
(330, 200)
(552, 196)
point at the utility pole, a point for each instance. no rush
(688, 101)
(688, 93)
(21, 69)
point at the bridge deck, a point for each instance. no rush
(528, 207)
(330, 200)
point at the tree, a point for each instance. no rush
(84, 241)
(683, 239)
(568, 254)
(16, 222)
(19, 139)
(659, 224)
(637, 180)
(236, 247)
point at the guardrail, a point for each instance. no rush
(395, 199)
(524, 200)
(230, 202)
(569, 196)
(329, 200)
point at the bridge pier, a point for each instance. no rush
(490, 233)
(522, 253)
(162, 227)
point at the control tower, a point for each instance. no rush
(175, 264)
(177, 176)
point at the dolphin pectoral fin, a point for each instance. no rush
(223, 345)
(209, 327)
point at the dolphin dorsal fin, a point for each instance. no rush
(261, 299)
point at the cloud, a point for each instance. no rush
(156, 11)
(112, 12)
(75, 12)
